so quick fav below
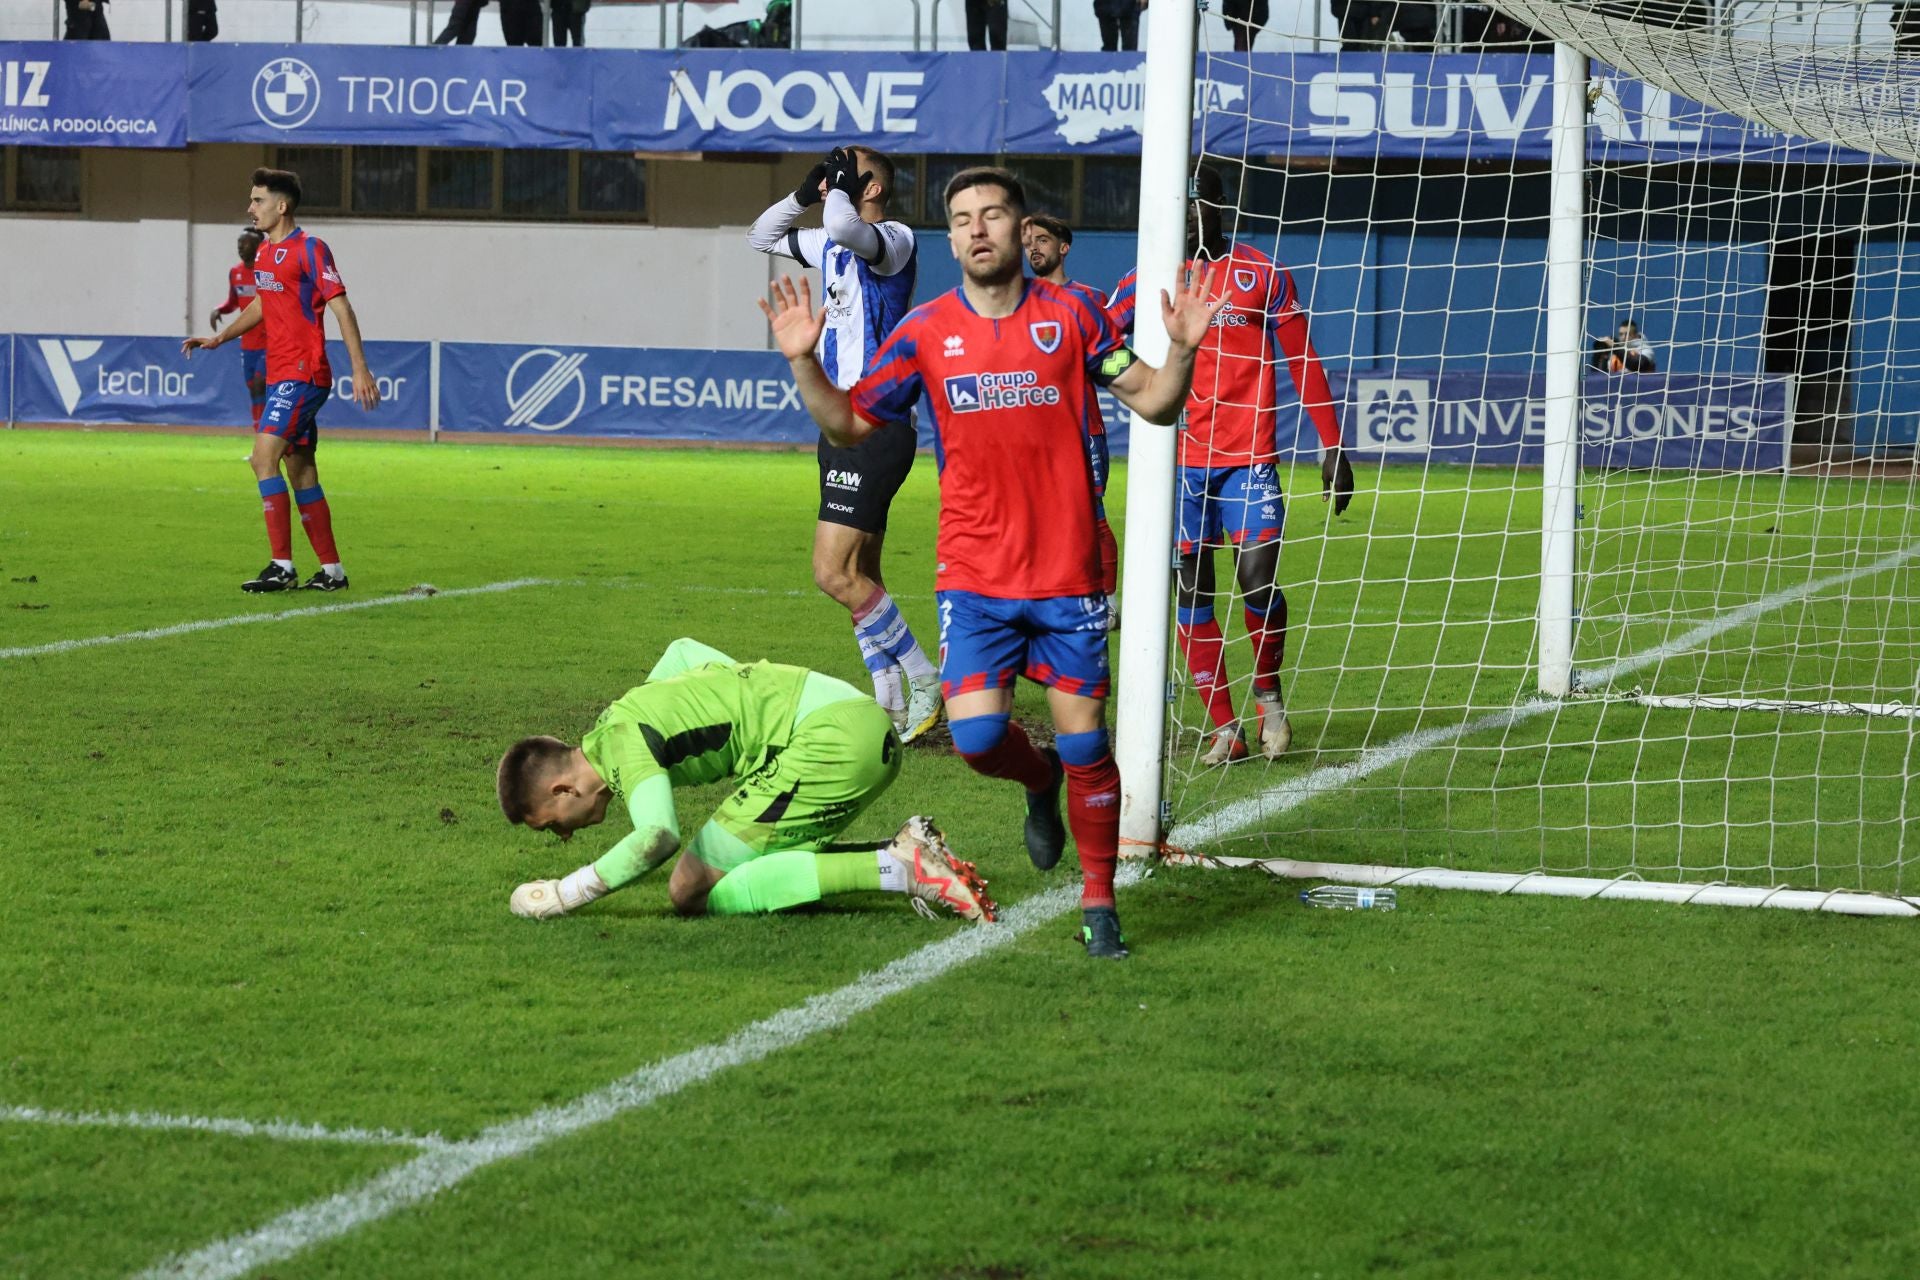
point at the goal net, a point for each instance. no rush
(1741, 402)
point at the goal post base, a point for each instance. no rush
(1848, 902)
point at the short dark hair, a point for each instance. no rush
(987, 175)
(1055, 227)
(252, 233)
(882, 169)
(527, 764)
(280, 182)
(1208, 186)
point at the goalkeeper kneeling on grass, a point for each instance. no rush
(807, 754)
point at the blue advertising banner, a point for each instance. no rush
(408, 97)
(1646, 420)
(58, 378)
(93, 94)
(6, 377)
(619, 391)
(760, 100)
(1413, 105)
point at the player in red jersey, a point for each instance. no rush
(1229, 494)
(1008, 365)
(253, 343)
(297, 286)
(1048, 241)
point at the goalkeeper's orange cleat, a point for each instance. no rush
(937, 877)
(1227, 746)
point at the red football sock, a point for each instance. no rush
(1109, 557)
(1268, 634)
(278, 509)
(1093, 812)
(1014, 758)
(317, 519)
(1206, 654)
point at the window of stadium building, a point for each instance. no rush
(550, 186)
(43, 179)
(1096, 194)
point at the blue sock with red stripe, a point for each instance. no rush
(278, 510)
(1093, 811)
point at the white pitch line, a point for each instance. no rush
(248, 619)
(436, 1170)
(283, 1130)
(439, 1168)
(1241, 814)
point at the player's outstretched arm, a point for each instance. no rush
(366, 390)
(654, 839)
(796, 331)
(1158, 394)
(246, 320)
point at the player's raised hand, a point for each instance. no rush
(213, 322)
(796, 325)
(1191, 310)
(192, 345)
(1336, 479)
(843, 174)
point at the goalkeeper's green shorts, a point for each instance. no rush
(839, 760)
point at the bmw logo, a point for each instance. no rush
(286, 93)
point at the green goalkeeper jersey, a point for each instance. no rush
(700, 717)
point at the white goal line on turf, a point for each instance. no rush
(410, 596)
(281, 1130)
(436, 1170)
(441, 1167)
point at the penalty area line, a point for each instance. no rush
(281, 615)
(282, 1130)
(441, 1167)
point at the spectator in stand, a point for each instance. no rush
(1906, 26)
(203, 20)
(1627, 352)
(1486, 29)
(523, 23)
(1369, 26)
(463, 24)
(1119, 24)
(1244, 19)
(570, 21)
(87, 20)
(986, 24)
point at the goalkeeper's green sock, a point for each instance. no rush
(776, 881)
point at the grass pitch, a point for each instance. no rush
(257, 872)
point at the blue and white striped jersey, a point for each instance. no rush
(864, 300)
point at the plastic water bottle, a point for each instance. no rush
(1346, 897)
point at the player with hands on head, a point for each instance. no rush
(253, 344)
(297, 286)
(804, 753)
(1229, 494)
(867, 266)
(1008, 364)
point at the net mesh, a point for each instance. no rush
(1746, 633)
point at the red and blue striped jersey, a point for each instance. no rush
(1232, 409)
(296, 279)
(1009, 399)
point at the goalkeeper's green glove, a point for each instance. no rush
(808, 192)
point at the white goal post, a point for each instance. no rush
(1662, 641)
